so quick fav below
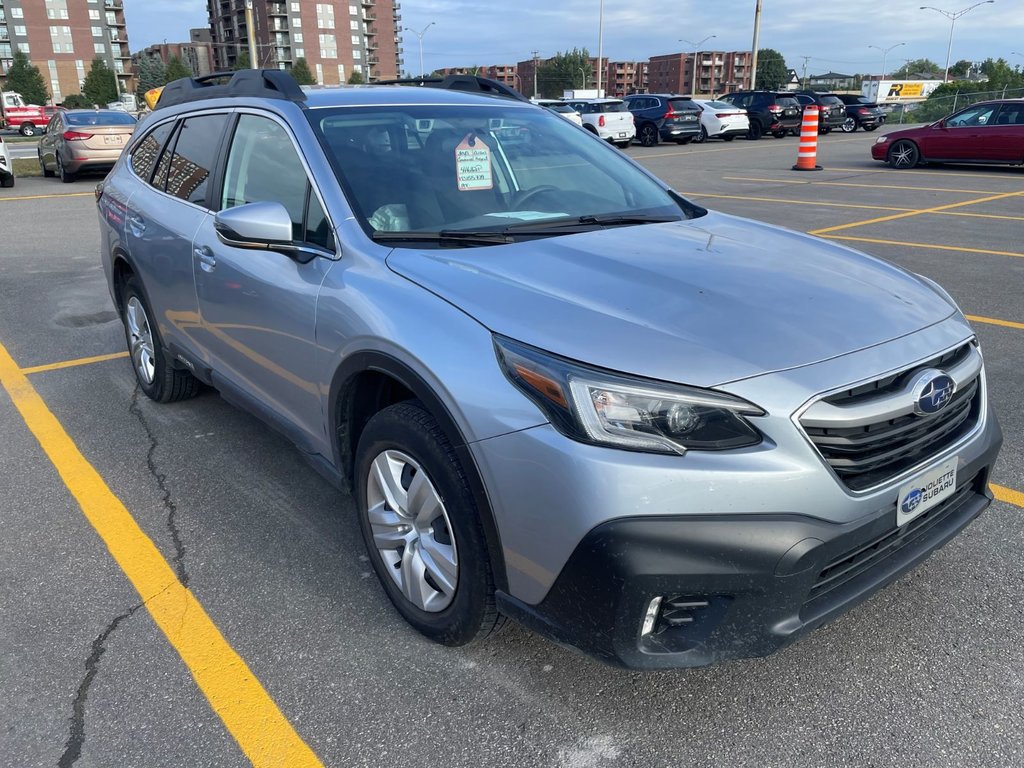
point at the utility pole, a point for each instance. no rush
(250, 27)
(803, 80)
(536, 65)
(600, 46)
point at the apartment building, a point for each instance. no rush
(62, 37)
(503, 73)
(337, 39)
(625, 77)
(717, 72)
(197, 53)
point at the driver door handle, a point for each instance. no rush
(207, 261)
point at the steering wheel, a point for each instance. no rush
(523, 196)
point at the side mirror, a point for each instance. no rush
(266, 226)
(940, 124)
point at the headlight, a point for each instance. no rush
(596, 406)
(881, 139)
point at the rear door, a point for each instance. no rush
(162, 218)
(258, 307)
(1007, 141)
(618, 119)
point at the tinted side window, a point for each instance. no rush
(264, 166)
(145, 155)
(195, 152)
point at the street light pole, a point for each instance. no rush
(952, 16)
(753, 52)
(250, 26)
(693, 72)
(600, 45)
(419, 36)
(885, 53)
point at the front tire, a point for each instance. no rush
(648, 135)
(421, 527)
(849, 125)
(7, 181)
(903, 154)
(157, 379)
(870, 128)
(779, 134)
(28, 129)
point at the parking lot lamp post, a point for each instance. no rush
(693, 72)
(885, 53)
(953, 16)
(753, 52)
(600, 44)
(419, 36)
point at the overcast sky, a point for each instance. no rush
(834, 33)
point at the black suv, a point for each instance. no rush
(774, 113)
(664, 117)
(831, 111)
(861, 112)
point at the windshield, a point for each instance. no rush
(100, 118)
(432, 169)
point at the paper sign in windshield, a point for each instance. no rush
(473, 165)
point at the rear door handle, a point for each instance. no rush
(207, 261)
(136, 224)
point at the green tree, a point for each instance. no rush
(563, 72)
(100, 84)
(24, 77)
(302, 73)
(772, 72)
(356, 78)
(242, 61)
(925, 68)
(150, 74)
(76, 101)
(961, 69)
(177, 69)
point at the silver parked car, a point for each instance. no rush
(559, 391)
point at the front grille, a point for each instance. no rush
(865, 455)
(867, 556)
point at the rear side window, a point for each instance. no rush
(145, 155)
(195, 152)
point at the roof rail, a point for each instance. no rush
(264, 83)
(470, 83)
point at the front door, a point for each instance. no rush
(963, 136)
(258, 307)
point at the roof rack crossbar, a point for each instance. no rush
(471, 83)
(264, 83)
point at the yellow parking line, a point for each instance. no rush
(1008, 495)
(46, 197)
(995, 321)
(956, 248)
(235, 695)
(73, 363)
(933, 172)
(795, 202)
(919, 212)
(867, 186)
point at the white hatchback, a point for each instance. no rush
(720, 120)
(6, 166)
(608, 118)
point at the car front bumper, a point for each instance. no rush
(737, 585)
(880, 150)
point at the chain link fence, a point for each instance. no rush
(936, 108)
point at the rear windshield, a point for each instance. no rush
(682, 105)
(99, 118)
(564, 109)
(831, 100)
(719, 105)
(606, 106)
(786, 101)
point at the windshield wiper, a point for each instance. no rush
(586, 223)
(453, 236)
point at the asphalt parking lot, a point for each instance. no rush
(180, 588)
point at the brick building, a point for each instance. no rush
(335, 38)
(503, 73)
(718, 72)
(625, 77)
(62, 37)
(197, 53)
(618, 78)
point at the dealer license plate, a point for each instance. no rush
(925, 491)
(622, 134)
(115, 140)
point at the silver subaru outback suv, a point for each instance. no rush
(558, 391)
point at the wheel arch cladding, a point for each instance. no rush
(368, 381)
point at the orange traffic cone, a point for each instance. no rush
(808, 153)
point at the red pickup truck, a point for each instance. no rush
(27, 118)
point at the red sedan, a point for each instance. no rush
(988, 132)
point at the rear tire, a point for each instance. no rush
(849, 125)
(158, 380)
(648, 135)
(870, 128)
(824, 131)
(421, 527)
(779, 134)
(755, 132)
(701, 137)
(65, 176)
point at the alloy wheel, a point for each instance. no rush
(411, 531)
(140, 340)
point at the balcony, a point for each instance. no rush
(277, 10)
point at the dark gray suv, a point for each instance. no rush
(664, 117)
(558, 391)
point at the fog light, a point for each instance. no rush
(652, 616)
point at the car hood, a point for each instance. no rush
(701, 302)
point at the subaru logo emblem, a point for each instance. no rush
(933, 392)
(912, 500)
